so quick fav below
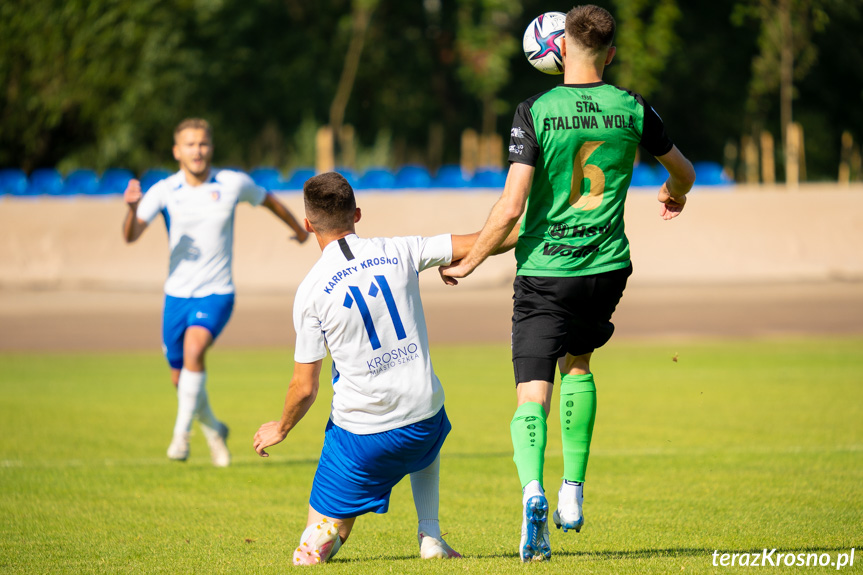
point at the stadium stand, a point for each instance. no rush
(152, 176)
(82, 181)
(711, 174)
(268, 178)
(413, 176)
(13, 182)
(488, 178)
(114, 181)
(46, 181)
(298, 178)
(49, 181)
(450, 176)
(377, 178)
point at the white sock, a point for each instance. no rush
(209, 424)
(188, 389)
(425, 487)
(531, 489)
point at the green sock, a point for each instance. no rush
(577, 414)
(528, 431)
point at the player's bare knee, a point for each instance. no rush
(575, 364)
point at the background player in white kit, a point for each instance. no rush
(362, 301)
(198, 206)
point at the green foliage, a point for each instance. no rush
(485, 44)
(808, 17)
(645, 40)
(726, 449)
(102, 83)
(76, 72)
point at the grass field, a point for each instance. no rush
(735, 447)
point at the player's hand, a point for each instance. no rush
(457, 269)
(448, 280)
(671, 205)
(268, 434)
(301, 237)
(133, 193)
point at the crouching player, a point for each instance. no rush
(362, 301)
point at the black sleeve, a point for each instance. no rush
(653, 136)
(523, 145)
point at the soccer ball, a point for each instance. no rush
(541, 42)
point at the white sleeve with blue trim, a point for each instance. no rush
(152, 203)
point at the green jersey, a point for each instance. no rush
(581, 139)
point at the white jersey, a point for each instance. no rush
(200, 222)
(362, 300)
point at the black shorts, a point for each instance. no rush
(553, 316)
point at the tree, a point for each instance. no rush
(484, 43)
(645, 39)
(79, 78)
(786, 52)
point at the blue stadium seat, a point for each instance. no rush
(711, 174)
(450, 176)
(46, 182)
(413, 177)
(82, 181)
(13, 182)
(152, 176)
(114, 181)
(644, 175)
(298, 178)
(377, 179)
(350, 175)
(268, 178)
(488, 178)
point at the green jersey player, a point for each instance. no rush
(571, 155)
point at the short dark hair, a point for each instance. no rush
(330, 202)
(590, 26)
(195, 123)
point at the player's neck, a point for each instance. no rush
(326, 239)
(195, 180)
(581, 73)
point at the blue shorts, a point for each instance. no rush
(211, 312)
(356, 473)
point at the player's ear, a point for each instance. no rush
(176, 151)
(357, 215)
(308, 225)
(610, 55)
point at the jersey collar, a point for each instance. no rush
(590, 85)
(181, 177)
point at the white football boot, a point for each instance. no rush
(534, 530)
(179, 448)
(431, 548)
(568, 514)
(318, 544)
(216, 439)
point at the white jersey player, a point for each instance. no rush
(362, 302)
(198, 205)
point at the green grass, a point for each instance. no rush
(735, 447)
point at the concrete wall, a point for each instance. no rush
(724, 236)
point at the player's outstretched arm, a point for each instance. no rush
(132, 226)
(500, 223)
(283, 213)
(462, 244)
(302, 392)
(681, 177)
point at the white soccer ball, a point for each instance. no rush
(542, 40)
